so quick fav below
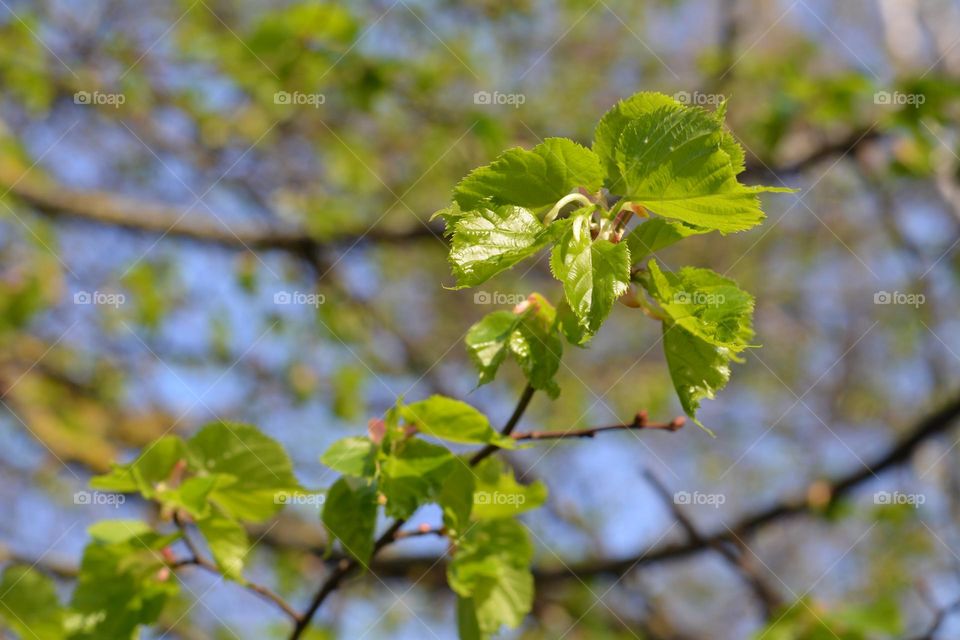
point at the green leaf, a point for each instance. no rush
(29, 604)
(228, 543)
(350, 515)
(116, 531)
(678, 164)
(352, 456)
(488, 342)
(531, 179)
(708, 321)
(193, 494)
(530, 336)
(491, 568)
(497, 493)
(656, 234)
(706, 304)
(123, 582)
(453, 421)
(254, 467)
(468, 628)
(611, 126)
(151, 468)
(594, 274)
(488, 241)
(456, 497)
(698, 369)
(413, 474)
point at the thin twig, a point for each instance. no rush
(639, 422)
(196, 559)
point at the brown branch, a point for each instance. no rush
(639, 422)
(768, 596)
(104, 208)
(196, 559)
(432, 569)
(508, 428)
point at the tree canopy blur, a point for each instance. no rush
(223, 212)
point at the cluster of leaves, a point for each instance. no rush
(224, 476)
(675, 167)
(672, 166)
(396, 467)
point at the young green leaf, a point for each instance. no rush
(456, 497)
(491, 570)
(594, 274)
(677, 164)
(151, 468)
(454, 421)
(352, 456)
(698, 369)
(412, 474)
(29, 604)
(228, 543)
(706, 304)
(497, 493)
(121, 584)
(350, 515)
(531, 179)
(611, 126)
(530, 336)
(468, 627)
(254, 468)
(490, 240)
(656, 234)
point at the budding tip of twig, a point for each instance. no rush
(424, 528)
(641, 418)
(677, 423)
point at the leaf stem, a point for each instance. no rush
(564, 201)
